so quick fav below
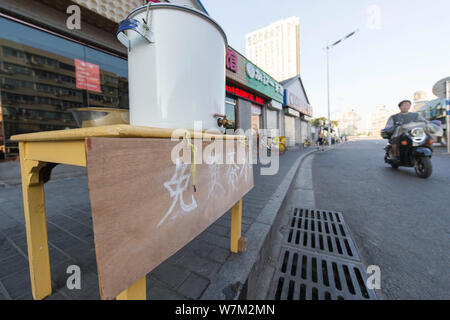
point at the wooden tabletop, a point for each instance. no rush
(118, 131)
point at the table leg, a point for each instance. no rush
(238, 243)
(36, 225)
(136, 292)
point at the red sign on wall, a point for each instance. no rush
(87, 76)
(244, 94)
(232, 60)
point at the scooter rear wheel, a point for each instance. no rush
(423, 167)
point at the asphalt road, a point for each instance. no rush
(398, 221)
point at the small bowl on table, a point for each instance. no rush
(98, 117)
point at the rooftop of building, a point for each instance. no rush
(289, 81)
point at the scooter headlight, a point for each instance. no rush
(417, 132)
(418, 136)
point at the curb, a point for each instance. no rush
(229, 282)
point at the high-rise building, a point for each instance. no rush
(348, 123)
(378, 120)
(276, 48)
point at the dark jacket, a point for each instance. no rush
(402, 119)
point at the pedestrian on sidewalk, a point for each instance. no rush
(320, 139)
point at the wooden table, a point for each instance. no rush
(41, 152)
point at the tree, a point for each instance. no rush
(318, 122)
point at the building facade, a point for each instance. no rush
(276, 48)
(348, 123)
(297, 112)
(41, 79)
(378, 120)
(253, 99)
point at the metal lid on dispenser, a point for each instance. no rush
(178, 7)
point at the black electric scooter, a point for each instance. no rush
(415, 146)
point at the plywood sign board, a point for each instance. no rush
(144, 207)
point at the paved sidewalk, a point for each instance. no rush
(194, 272)
(10, 173)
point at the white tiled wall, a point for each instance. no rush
(118, 10)
(115, 10)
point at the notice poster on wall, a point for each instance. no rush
(87, 76)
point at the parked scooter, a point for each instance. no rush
(415, 141)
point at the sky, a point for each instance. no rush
(403, 46)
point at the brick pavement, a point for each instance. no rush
(185, 275)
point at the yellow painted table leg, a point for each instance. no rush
(36, 225)
(137, 291)
(236, 226)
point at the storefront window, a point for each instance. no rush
(39, 81)
(256, 118)
(230, 109)
(114, 79)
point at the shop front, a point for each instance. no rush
(43, 76)
(291, 119)
(254, 97)
(243, 106)
(257, 119)
(230, 110)
(296, 102)
(265, 84)
(273, 116)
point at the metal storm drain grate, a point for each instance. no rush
(308, 276)
(321, 231)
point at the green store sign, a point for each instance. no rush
(262, 82)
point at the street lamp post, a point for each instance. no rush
(328, 93)
(328, 79)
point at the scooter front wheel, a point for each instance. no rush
(423, 167)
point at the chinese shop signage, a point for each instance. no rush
(87, 76)
(262, 82)
(292, 112)
(297, 103)
(244, 94)
(232, 60)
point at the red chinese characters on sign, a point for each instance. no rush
(244, 94)
(87, 76)
(232, 60)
